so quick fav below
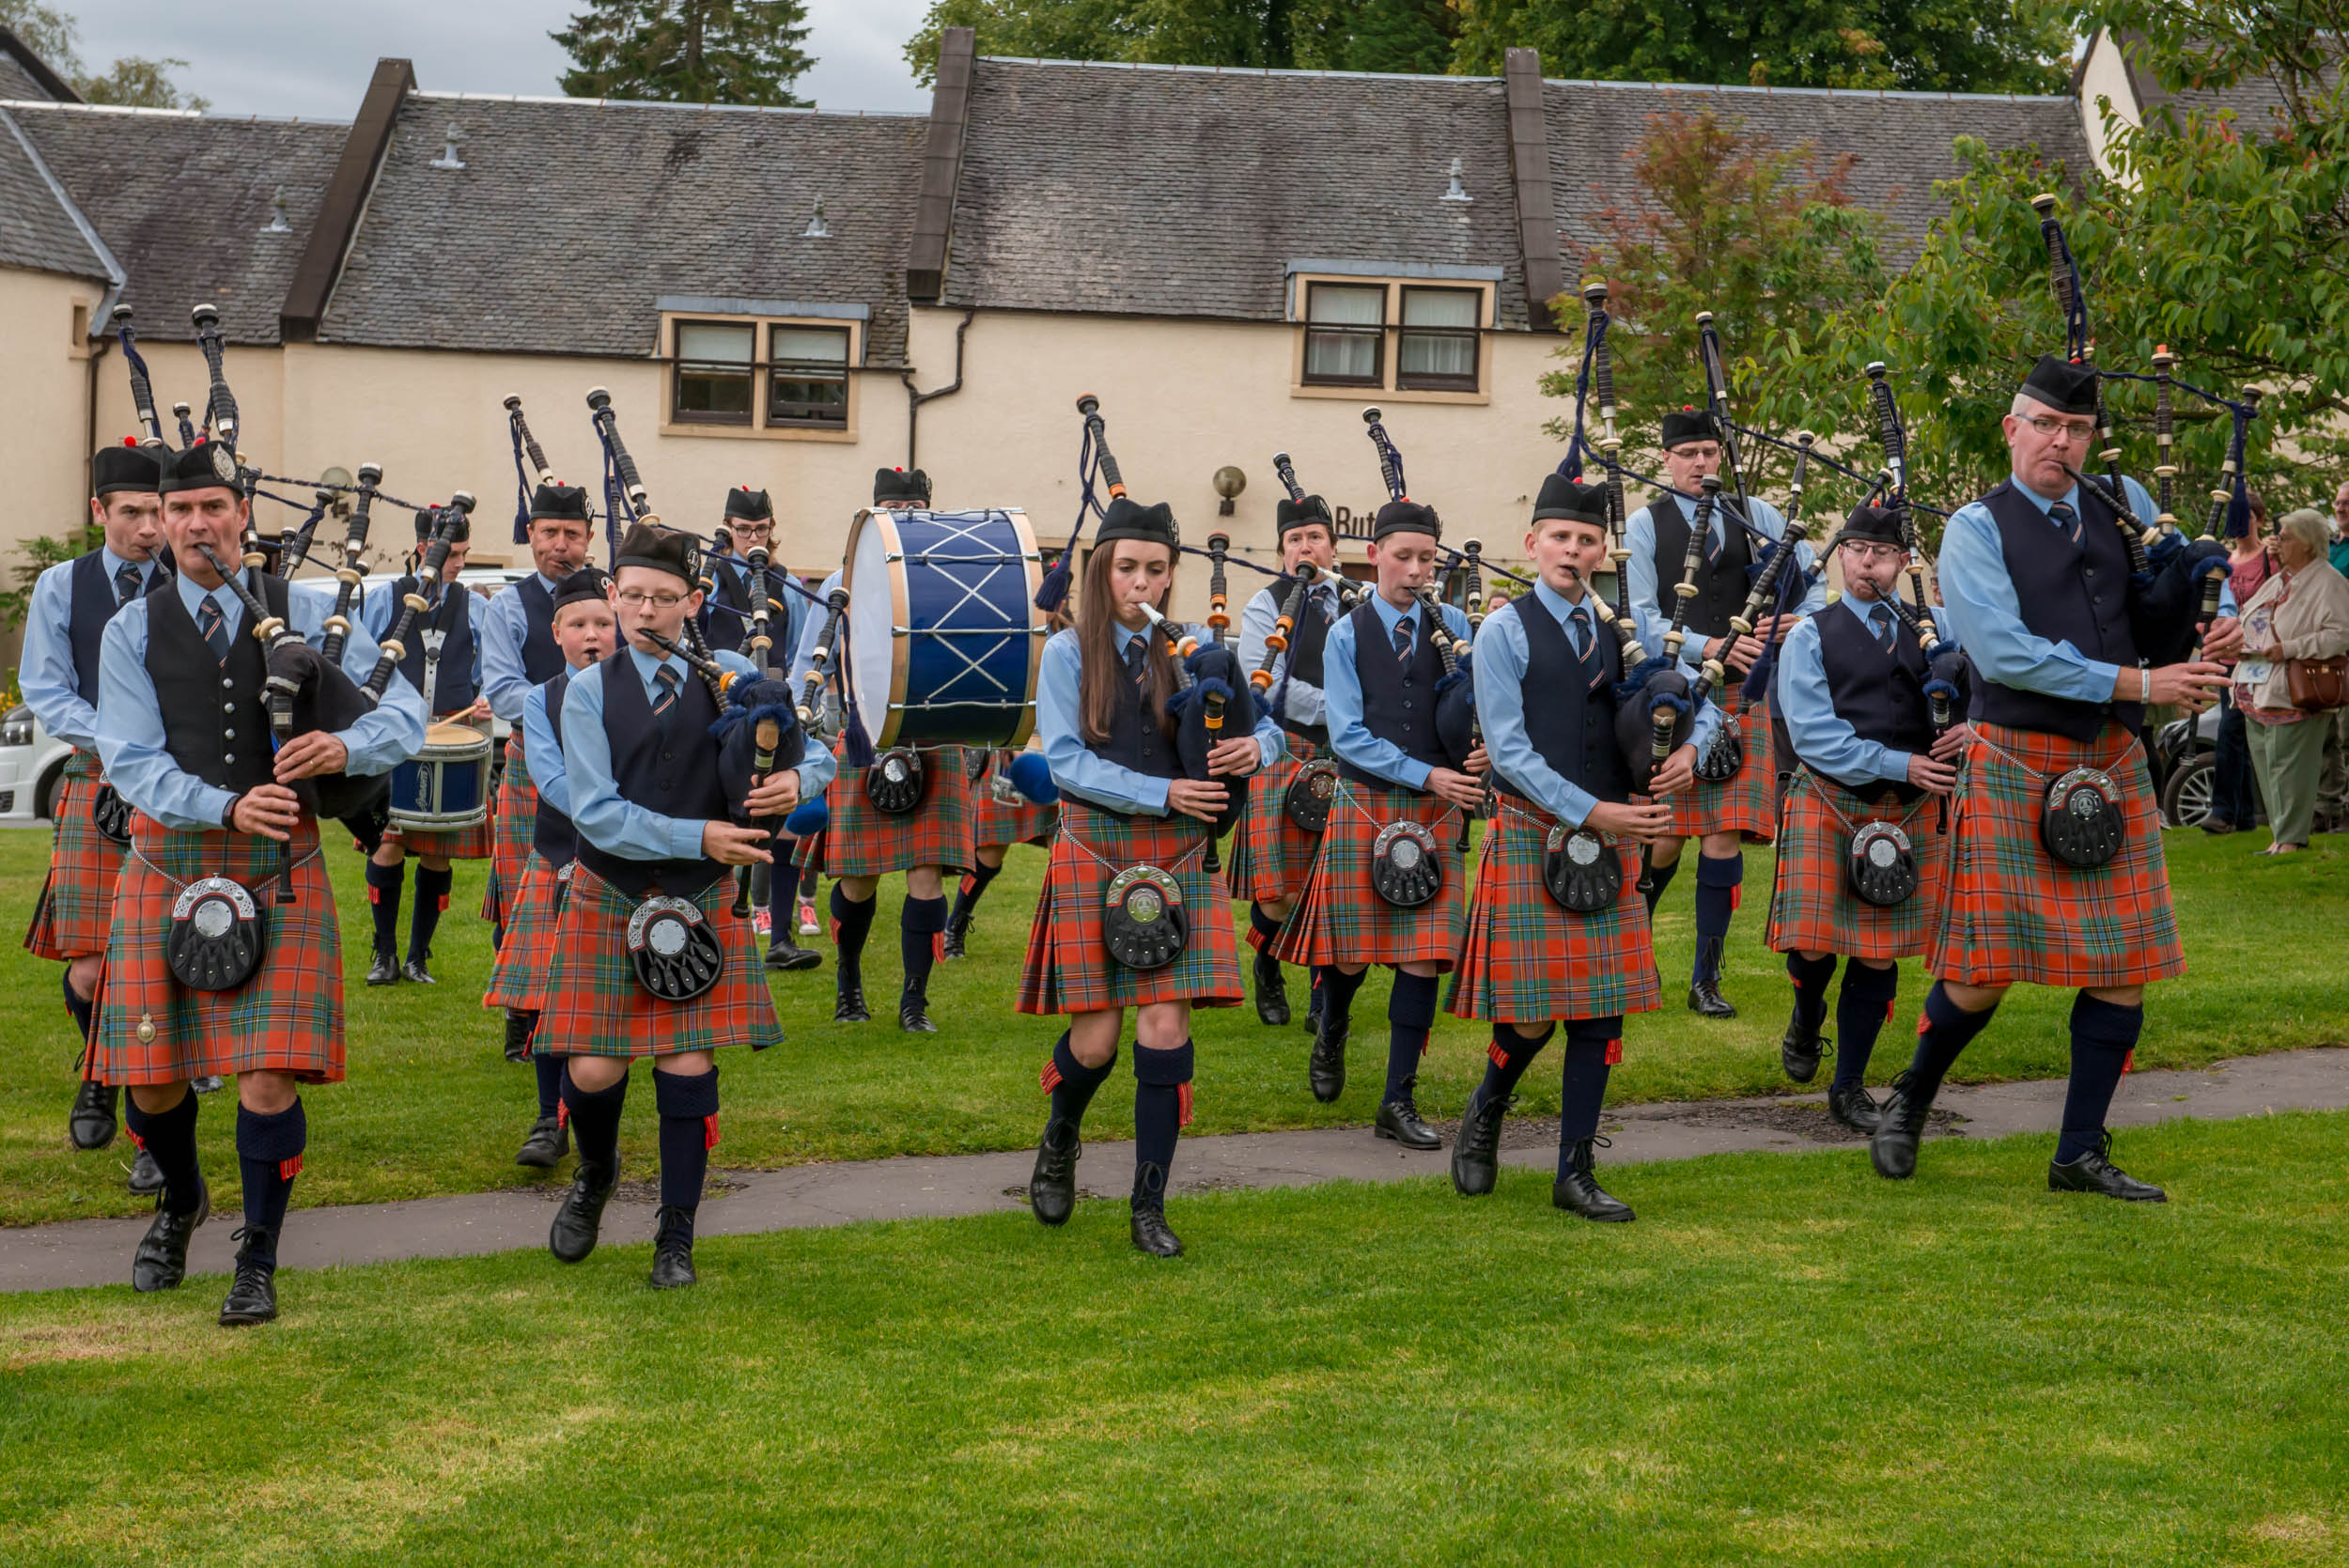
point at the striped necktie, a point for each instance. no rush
(665, 679)
(1403, 641)
(2067, 518)
(1880, 621)
(214, 626)
(1578, 630)
(126, 583)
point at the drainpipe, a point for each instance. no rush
(916, 400)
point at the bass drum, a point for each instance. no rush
(944, 636)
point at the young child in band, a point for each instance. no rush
(1546, 672)
(1125, 801)
(1380, 668)
(585, 631)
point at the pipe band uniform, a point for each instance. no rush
(1013, 800)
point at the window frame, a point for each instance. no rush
(777, 368)
(762, 425)
(679, 365)
(1392, 384)
(1375, 332)
(1406, 381)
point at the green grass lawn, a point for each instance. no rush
(1785, 1360)
(431, 1105)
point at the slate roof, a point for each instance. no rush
(571, 217)
(130, 171)
(37, 227)
(1902, 142)
(1160, 189)
(25, 76)
(18, 83)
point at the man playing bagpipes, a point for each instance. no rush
(1273, 854)
(2057, 875)
(1876, 713)
(516, 630)
(443, 652)
(1720, 814)
(649, 958)
(71, 604)
(1386, 887)
(223, 955)
(1558, 932)
(862, 843)
(586, 632)
(1128, 917)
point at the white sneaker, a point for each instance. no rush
(762, 921)
(807, 919)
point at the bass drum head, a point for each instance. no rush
(876, 605)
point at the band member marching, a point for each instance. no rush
(2057, 875)
(649, 958)
(223, 955)
(1558, 932)
(1721, 815)
(443, 646)
(71, 602)
(1394, 823)
(1271, 854)
(585, 631)
(1009, 805)
(1128, 916)
(1860, 850)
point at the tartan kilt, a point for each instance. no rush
(863, 842)
(76, 902)
(476, 843)
(516, 816)
(288, 1018)
(1529, 959)
(993, 823)
(1341, 920)
(2014, 912)
(518, 978)
(594, 1006)
(1271, 855)
(1069, 970)
(1746, 802)
(1812, 908)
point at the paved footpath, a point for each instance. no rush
(98, 1251)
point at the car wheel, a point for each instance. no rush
(45, 793)
(2186, 798)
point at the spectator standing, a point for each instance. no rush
(2301, 611)
(2233, 802)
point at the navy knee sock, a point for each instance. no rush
(851, 922)
(1862, 1007)
(1411, 1014)
(432, 898)
(1070, 1082)
(269, 1156)
(1718, 878)
(170, 1136)
(1810, 981)
(2103, 1035)
(919, 923)
(688, 1104)
(1944, 1029)
(1162, 1106)
(79, 1005)
(1507, 1057)
(549, 1071)
(1337, 993)
(1593, 1046)
(383, 885)
(781, 917)
(595, 1120)
(974, 887)
(1657, 879)
(1265, 927)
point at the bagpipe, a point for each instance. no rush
(1455, 692)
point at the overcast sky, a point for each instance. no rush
(313, 57)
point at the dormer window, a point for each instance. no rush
(1418, 330)
(763, 372)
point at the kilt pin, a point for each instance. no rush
(1812, 908)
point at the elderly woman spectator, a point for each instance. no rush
(2234, 802)
(2302, 612)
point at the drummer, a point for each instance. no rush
(455, 703)
(863, 843)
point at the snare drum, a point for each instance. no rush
(945, 638)
(445, 788)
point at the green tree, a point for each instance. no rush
(1278, 34)
(133, 80)
(688, 51)
(2298, 47)
(1411, 37)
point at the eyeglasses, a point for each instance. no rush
(2071, 429)
(636, 598)
(1871, 554)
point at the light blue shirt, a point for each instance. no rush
(47, 677)
(499, 630)
(130, 740)
(1638, 537)
(380, 609)
(606, 818)
(786, 618)
(1080, 770)
(547, 772)
(1823, 738)
(1301, 702)
(812, 628)
(1979, 595)
(1348, 736)
(1502, 656)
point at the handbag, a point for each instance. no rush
(2318, 685)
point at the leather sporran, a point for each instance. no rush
(110, 813)
(1404, 868)
(1880, 865)
(1720, 760)
(1144, 923)
(894, 782)
(218, 934)
(675, 954)
(1306, 803)
(2080, 823)
(1581, 870)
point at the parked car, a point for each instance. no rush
(32, 765)
(2184, 758)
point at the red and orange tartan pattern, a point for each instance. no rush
(512, 822)
(1526, 958)
(476, 843)
(1340, 919)
(1269, 856)
(1070, 970)
(76, 904)
(863, 842)
(993, 823)
(592, 1005)
(526, 958)
(2012, 912)
(1812, 908)
(288, 1018)
(1744, 802)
